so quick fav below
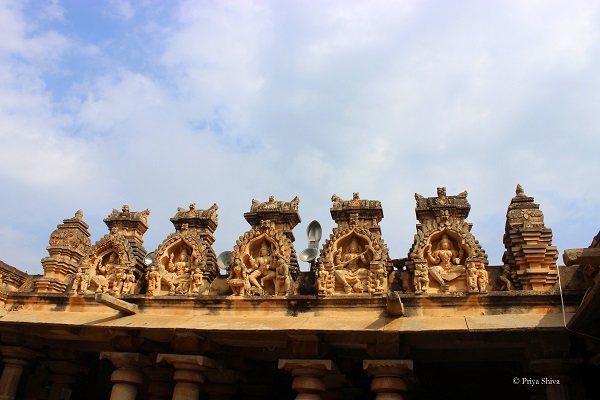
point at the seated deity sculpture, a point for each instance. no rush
(105, 273)
(238, 277)
(445, 261)
(262, 267)
(347, 270)
(177, 276)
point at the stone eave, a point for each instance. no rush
(494, 311)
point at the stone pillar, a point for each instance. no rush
(557, 375)
(308, 376)
(128, 376)
(189, 373)
(387, 377)
(62, 375)
(15, 359)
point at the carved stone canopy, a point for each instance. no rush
(283, 214)
(130, 223)
(354, 260)
(445, 255)
(185, 262)
(263, 261)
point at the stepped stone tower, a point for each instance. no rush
(69, 243)
(529, 251)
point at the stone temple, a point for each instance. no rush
(112, 319)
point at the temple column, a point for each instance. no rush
(308, 376)
(388, 375)
(62, 375)
(189, 373)
(15, 360)
(557, 375)
(127, 376)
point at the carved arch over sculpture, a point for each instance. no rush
(261, 262)
(109, 267)
(178, 266)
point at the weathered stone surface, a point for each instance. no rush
(529, 251)
(354, 260)
(445, 256)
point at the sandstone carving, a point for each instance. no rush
(445, 256)
(263, 261)
(115, 263)
(354, 260)
(69, 243)
(185, 262)
(529, 251)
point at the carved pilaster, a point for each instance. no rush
(387, 377)
(128, 373)
(15, 359)
(189, 373)
(308, 376)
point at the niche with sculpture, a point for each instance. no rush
(109, 268)
(445, 256)
(260, 263)
(354, 260)
(178, 267)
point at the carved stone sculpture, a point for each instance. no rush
(506, 278)
(264, 259)
(529, 251)
(445, 247)
(69, 243)
(354, 260)
(115, 262)
(185, 262)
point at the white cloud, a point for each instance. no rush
(225, 102)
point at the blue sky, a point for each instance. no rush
(161, 104)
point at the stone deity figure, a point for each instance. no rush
(445, 262)
(282, 279)
(505, 278)
(347, 271)
(379, 279)
(322, 280)
(120, 278)
(105, 275)
(81, 281)
(128, 282)
(196, 280)
(421, 279)
(238, 277)
(182, 265)
(263, 267)
(472, 275)
(482, 278)
(153, 279)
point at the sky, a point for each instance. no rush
(161, 104)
